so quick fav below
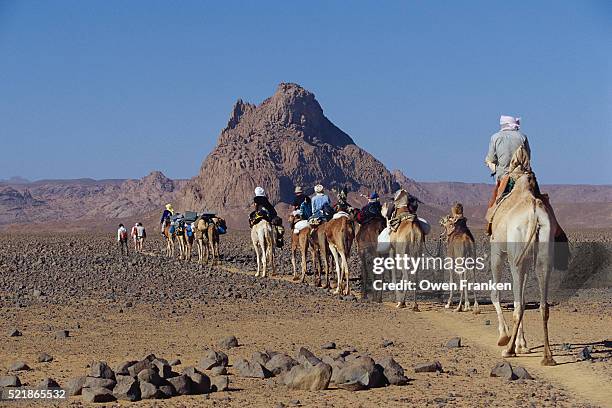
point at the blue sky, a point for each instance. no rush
(113, 89)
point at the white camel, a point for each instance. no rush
(263, 237)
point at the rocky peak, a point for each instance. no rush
(240, 108)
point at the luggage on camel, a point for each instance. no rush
(300, 225)
(384, 241)
(190, 216)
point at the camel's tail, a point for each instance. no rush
(533, 229)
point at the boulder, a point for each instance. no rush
(280, 363)
(163, 368)
(100, 369)
(62, 334)
(306, 377)
(454, 342)
(167, 390)
(182, 384)
(306, 356)
(363, 370)
(14, 333)
(94, 382)
(218, 370)
(219, 383)
(44, 358)
(137, 367)
(122, 368)
(97, 394)
(127, 389)
(503, 370)
(200, 383)
(228, 342)
(150, 375)
(393, 371)
(585, 353)
(251, 369)
(75, 386)
(9, 381)
(213, 359)
(430, 367)
(47, 383)
(261, 358)
(328, 346)
(19, 366)
(521, 374)
(149, 391)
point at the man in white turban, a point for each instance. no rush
(321, 204)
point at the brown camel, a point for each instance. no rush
(213, 237)
(170, 240)
(366, 239)
(300, 242)
(319, 244)
(406, 239)
(201, 237)
(522, 225)
(460, 245)
(340, 232)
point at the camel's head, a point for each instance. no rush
(448, 223)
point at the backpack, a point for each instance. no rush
(123, 235)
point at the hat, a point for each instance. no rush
(318, 188)
(260, 192)
(169, 206)
(400, 199)
(374, 196)
(509, 122)
(298, 189)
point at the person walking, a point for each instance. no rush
(122, 240)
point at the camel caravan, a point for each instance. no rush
(522, 230)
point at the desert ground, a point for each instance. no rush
(123, 308)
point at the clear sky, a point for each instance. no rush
(115, 89)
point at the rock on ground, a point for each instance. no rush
(97, 394)
(251, 369)
(9, 381)
(430, 367)
(306, 377)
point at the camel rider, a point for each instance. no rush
(371, 210)
(166, 216)
(502, 147)
(302, 207)
(342, 204)
(265, 210)
(459, 221)
(321, 205)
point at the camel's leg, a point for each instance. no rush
(334, 252)
(476, 308)
(521, 347)
(345, 271)
(497, 260)
(450, 294)
(415, 305)
(271, 248)
(256, 247)
(543, 270)
(400, 296)
(303, 249)
(518, 272)
(264, 257)
(293, 250)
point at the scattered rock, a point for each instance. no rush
(219, 383)
(251, 369)
(454, 342)
(62, 334)
(363, 370)
(200, 382)
(261, 358)
(163, 368)
(137, 367)
(19, 366)
(213, 359)
(127, 389)
(122, 368)
(97, 395)
(487, 322)
(305, 377)
(430, 367)
(99, 369)
(150, 375)
(167, 391)
(220, 370)
(352, 385)
(182, 384)
(94, 382)
(47, 383)
(306, 356)
(387, 343)
(44, 358)
(329, 346)
(149, 391)
(503, 370)
(228, 342)
(521, 374)
(585, 353)
(280, 363)
(393, 371)
(75, 385)
(14, 333)
(9, 381)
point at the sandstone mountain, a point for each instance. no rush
(84, 199)
(283, 142)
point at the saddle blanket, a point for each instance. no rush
(300, 225)
(340, 214)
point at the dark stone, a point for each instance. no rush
(94, 382)
(261, 358)
(213, 359)
(219, 383)
(454, 342)
(175, 362)
(14, 333)
(150, 375)
(97, 395)
(521, 374)
(251, 369)
(167, 390)
(182, 384)
(387, 343)
(100, 369)
(430, 367)
(503, 370)
(229, 342)
(47, 383)
(19, 366)
(305, 377)
(363, 370)
(137, 367)
(44, 358)
(62, 334)
(9, 381)
(127, 389)
(353, 385)
(163, 368)
(393, 371)
(75, 385)
(306, 356)
(149, 391)
(218, 370)
(122, 368)
(585, 354)
(280, 363)
(200, 383)
(329, 346)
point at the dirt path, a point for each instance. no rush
(578, 377)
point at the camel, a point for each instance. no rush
(319, 244)
(183, 241)
(201, 237)
(366, 238)
(522, 225)
(460, 245)
(406, 239)
(340, 233)
(213, 238)
(170, 239)
(263, 237)
(301, 242)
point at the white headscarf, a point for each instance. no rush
(509, 122)
(260, 192)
